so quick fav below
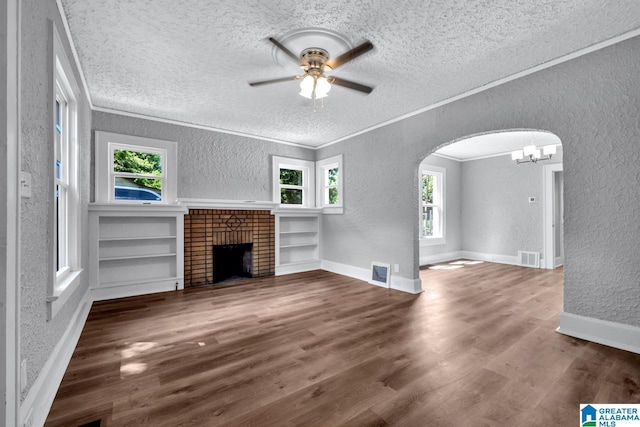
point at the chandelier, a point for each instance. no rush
(532, 154)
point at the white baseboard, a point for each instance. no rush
(443, 257)
(297, 267)
(612, 334)
(100, 294)
(500, 259)
(412, 286)
(44, 389)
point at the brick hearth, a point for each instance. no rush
(204, 228)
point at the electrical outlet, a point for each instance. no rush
(23, 374)
(532, 199)
(396, 268)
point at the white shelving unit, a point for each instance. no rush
(297, 240)
(136, 249)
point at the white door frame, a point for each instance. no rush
(548, 253)
(10, 411)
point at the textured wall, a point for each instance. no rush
(3, 195)
(211, 165)
(497, 217)
(452, 196)
(38, 336)
(591, 103)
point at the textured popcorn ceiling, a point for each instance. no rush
(191, 61)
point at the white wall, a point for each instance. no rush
(497, 217)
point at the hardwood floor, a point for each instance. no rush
(477, 348)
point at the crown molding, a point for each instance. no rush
(201, 127)
(540, 67)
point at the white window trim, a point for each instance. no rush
(65, 281)
(433, 170)
(308, 175)
(321, 167)
(106, 142)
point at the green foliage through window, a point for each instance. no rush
(427, 188)
(333, 176)
(334, 198)
(139, 163)
(291, 177)
(290, 196)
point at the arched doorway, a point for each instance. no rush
(477, 201)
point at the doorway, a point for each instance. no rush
(553, 255)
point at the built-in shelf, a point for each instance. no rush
(304, 261)
(116, 239)
(297, 245)
(139, 282)
(135, 249)
(120, 258)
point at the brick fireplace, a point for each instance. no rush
(206, 228)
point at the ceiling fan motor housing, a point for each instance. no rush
(314, 58)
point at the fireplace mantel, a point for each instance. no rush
(228, 204)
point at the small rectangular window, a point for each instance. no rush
(291, 186)
(330, 181)
(135, 170)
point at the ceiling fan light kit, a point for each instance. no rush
(315, 62)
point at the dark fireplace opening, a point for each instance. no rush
(231, 261)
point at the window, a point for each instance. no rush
(65, 188)
(136, 175)
(62, 131)
(293, 182)
(330, 178)
(137, 170)
(432, 204)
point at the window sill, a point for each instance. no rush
(432, 241)
(62, 292)
(289, 209)
(333, 210)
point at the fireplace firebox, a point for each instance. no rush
(231, 261)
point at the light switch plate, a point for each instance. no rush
(25, 184)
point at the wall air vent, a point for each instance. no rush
(529, 259)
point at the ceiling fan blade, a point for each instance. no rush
(350, 85)
(348, 56)
(266, 82)
(285, 50)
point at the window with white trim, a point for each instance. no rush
(131, 169)
(329, 179)
(432, 203)
(65, 188)
(293, 182)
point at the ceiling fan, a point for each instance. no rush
(315, 62)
